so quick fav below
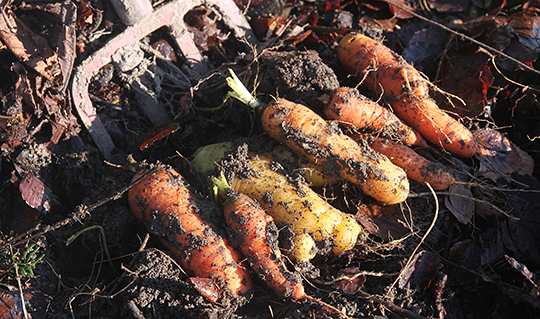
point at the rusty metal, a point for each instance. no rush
(170, 15)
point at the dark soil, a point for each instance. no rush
(464, 270)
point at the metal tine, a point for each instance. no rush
(142, 20)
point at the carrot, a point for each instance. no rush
(310, 136)
(300, 208)
(312, 172)
(380, 69)
(255, 234)
(164, 201)
(353, 109)
(437, 126)
(317, 227)
(406, 90)
(417, 167)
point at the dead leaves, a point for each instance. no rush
(27, 46)
(37, 98)
(460, 203)
(500, 157)
(386, 222)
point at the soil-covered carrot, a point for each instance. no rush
(255, 234)
(417, 167)
(313, 173)
(164, 201)
(355, 110)
(309, 135)
(436, 125)
(318, 228)
(406, 90)
(380, 69)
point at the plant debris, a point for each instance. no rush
(92, 91)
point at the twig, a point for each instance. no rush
(421, 240)
(391, 306)
(80, 213)
(463, 36)
(23, 303)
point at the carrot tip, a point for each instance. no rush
(207, 287)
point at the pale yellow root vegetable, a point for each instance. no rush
(309, 135)
(318, 227)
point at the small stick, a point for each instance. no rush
(421, 240)
(23, 302)
(391, 306)
(463, 36)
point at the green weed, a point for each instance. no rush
(26, 261)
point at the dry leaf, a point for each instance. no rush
(421, 271)
(384, 221)
(499, 156)
(521, 234)
(28, 47)
(460, 203)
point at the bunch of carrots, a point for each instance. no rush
(406, 90)
(260, 198)
(174, 212)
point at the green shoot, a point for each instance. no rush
(240, 92)
(72, 238)
(26, 261)
(219, 187)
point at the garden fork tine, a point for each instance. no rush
(141, 21)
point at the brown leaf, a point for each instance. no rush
(527, 162)
(351, 280)
(449, 5)
(460, 202)
(488, 201)
(387, 222)
(25, 89)
(34, 193)
(421, 271)
(466, 73)
(491, 142)
(27, 46)
(401, 14)
(522, 233)
(498, 155)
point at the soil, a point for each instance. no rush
(447, 279)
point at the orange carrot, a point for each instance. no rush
(164, 201)
(381, 70)
(437, 126)
(255, 234)
(406, 90)
(317, 228)
(309, 135)
(417, 167)
(353, 109)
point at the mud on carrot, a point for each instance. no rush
(317, 227)
(312, 137)
(352, 109)
(165, 202)
(406, 90)
(255, 234)
(418, 168)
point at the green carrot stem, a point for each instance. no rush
(240, 92)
